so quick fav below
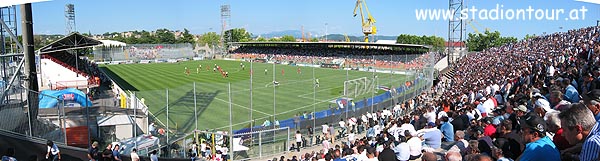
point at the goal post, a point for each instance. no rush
(360, 86)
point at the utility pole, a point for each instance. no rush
(30, 72)
(326, 31)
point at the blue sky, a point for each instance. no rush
(393, 17)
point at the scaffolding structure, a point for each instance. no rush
(456, 30)
(10, 54)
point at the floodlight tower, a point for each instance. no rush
(225, 20)
(456, 29)
(70, 19)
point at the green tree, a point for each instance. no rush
(436, 42)
(210, 38)
(529, 36)
(482, 41)
(314, 39)
(274, 39)
(147, 38)
(165, 36)
(288, 38)
(186, 37)
(261, 39)
(237, 35)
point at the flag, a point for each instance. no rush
(385, 88)
(341, 102)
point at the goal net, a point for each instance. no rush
(360, 86)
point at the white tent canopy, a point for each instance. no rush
(115, 120)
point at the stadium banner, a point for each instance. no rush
(341, 102)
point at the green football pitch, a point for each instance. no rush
(292, 96)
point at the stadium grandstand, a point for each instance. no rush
(347, 54)
(534, 99)
(533, 85)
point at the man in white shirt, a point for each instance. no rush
(430, 115)
(397, 109)
(343, 126)
(402, 149)
(134, 155)
(352, 123)
(415, 146)
(298, 140)
(377, 128)
(325, 129)
(386, 113)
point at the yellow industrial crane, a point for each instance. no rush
(470, 22)
(347, 38)
(368, 24)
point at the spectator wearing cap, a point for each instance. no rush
(579, 126)
(93, 152)
(539, 146)
(520, 111)
(592, 101)
(432, 137)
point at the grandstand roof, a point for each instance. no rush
(333, 44)
(69, 42)
(112, 43)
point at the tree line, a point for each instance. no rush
(437, 43)
(160, 36)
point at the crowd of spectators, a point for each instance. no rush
(537, 99)
(354, 58)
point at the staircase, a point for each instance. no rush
(449, 74)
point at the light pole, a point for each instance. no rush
(326, 31)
